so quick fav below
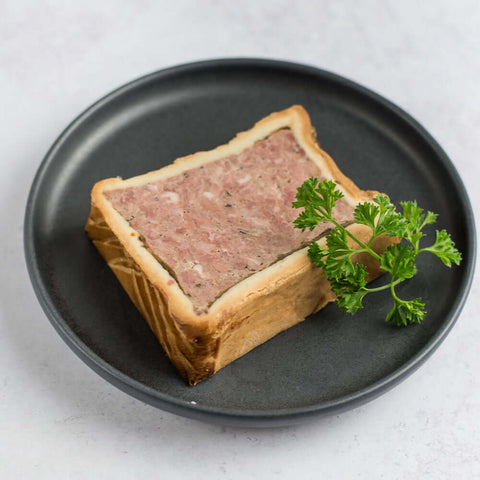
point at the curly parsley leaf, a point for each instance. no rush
(405, 313)
(350, 302)
(366, 214)
(338, 260)
(444, 249)
(415, 221)
(380, 216)
(399, 260)
(316, 254)
(307, 219)
(318, 200)
(350, 288)
(389, 221)
(340, 254)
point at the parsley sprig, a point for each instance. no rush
(348, 278)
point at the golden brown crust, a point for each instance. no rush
(251, 312)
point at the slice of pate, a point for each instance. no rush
(216, 224)
(206, 247)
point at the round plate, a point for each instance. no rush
(330, 362)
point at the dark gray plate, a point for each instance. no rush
(330, 362)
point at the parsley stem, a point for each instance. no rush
(383, 287)
(355, 239)
(392, 289)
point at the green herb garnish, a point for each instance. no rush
(348, 278)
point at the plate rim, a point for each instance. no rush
(236, 416)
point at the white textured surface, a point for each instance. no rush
(58, 418)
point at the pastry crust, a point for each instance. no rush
(252, 311)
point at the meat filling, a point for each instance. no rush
(215, 225)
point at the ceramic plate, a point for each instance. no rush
(330, 362)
